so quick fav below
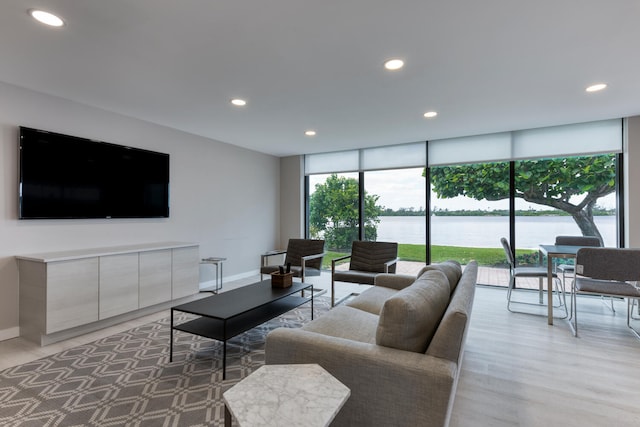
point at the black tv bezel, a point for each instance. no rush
(23, 131)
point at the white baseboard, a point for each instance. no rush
(212, 283)
(244, 275)
(7, 334)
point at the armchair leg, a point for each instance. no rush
(574, 316)
(633, 305)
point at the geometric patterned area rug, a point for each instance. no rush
(126, 379)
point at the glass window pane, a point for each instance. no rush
(395, 212)
(573, 196)
(469, 215)
(333, 211)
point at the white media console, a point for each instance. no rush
(68, 293)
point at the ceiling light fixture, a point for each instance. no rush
(596, 87)
(46, 18)
(239, 102)
(310, 133)
(393, 64)
(430, 114)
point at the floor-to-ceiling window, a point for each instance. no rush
(527, 186)
(373, 194)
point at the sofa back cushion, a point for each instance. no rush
(448, 341)
(409, 319)
(452, 269)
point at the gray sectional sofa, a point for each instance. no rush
(398, 346)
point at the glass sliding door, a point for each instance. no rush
(395, 211)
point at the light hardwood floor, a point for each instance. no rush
(517, 370)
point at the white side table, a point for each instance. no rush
(217, 262)
(285, 395)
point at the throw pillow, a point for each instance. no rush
(450, 268)
(409, 319)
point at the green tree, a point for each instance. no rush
(549, 182)
(333, 212)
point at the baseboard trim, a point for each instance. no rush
(7, 334)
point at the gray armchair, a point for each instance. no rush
(606, 272)
(305, 256)
(367, 260)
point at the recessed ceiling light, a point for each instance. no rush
(393, 64)
(310, 132)
(239, 102)
(46, 18)
(430, 114)
(596, 87)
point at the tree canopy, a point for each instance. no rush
(572, 185)
(333, 212)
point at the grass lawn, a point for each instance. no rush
(406, 252)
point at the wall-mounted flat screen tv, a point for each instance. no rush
(63, 177)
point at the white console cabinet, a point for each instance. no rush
(68, 293)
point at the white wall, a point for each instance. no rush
(292, 203)
(223, 197)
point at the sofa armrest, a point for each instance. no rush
(394, 281)
(421, 385)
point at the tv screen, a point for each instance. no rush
(63, 176)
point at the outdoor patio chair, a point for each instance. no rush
(590, 241)
(606, 272)
(305, 256)
(538, 272)
(569, 267)
(367, 260)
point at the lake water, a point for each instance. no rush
(486, 231)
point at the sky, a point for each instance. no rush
(404, 188)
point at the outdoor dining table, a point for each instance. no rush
(551, 252)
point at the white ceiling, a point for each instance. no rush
(485, 66)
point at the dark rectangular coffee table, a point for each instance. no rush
(225, 315)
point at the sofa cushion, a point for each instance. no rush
(410, 318)
(372, 299)
(452, 269)
(346, 322)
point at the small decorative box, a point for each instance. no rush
(281, 280)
